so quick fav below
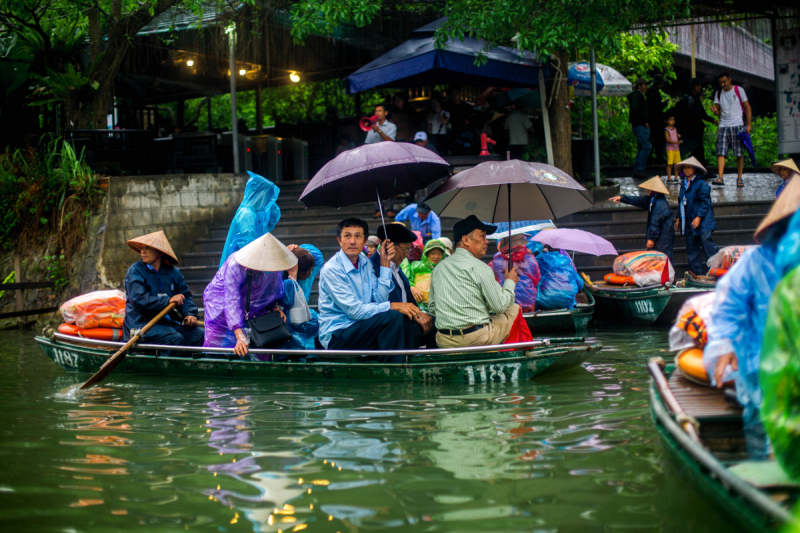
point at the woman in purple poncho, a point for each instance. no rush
(225, 297)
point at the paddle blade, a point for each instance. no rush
(107, 367)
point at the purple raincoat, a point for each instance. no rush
(225, 297)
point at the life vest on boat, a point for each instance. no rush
(616, 279)
(694, 326)
(103, 334)
(717, 272)
(691, 362)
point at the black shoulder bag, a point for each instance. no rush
(268, 330)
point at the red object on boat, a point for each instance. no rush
(717, 272)
(103, 334)
(520, 332)
(616, 279)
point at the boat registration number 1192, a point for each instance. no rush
(65, 358)
(644, 306)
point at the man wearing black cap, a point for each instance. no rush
(641, 127)
(469, 307)
(690, 115)
(655, 115)
(403, 239)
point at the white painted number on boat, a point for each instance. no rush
(492, 372)
(65, 358)
(644, 306)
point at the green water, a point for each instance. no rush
(576, 452)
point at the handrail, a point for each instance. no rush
(335, 353)
(595, 288)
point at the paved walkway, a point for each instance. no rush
(758, 187)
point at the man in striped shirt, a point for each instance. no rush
(469, 306)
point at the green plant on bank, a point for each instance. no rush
(56, 270)
(9, 279)
(45, 192)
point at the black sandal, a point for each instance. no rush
(739, 182)
(718, 181)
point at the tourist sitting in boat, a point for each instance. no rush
(403, 240)
(527, 266)
(448, 245)
(354, 308)
(736, 325)
(254, 270)
(256, 216)
(786, 169)
(422, 219)
(464, 293)
(151, 285)
(302, 321)
(420, 271)
(696, 221)
(660, 218)
(372, 245)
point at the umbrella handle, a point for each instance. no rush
(510, 261)
(380, 208)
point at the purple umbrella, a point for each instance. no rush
(748, 145)
(374, 171)
(575, 240)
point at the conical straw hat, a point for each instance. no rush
(788, 163)
(266, 254)
(155, 240)
(785, 206)
(656, 185)
(691, 162)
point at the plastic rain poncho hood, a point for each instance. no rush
(529, 274)
(303, 334)
(419, 272)
(258, 214)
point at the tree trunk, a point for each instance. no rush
(560, 120)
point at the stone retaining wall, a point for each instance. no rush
(183, 206)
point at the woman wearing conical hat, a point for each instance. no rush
(738, 319)
(259, 265)
(787, 170)
(696, 221)
(151, 284)
(660, 229)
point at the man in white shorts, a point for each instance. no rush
(731, 106)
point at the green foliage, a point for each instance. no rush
(764, 134)
(60, 86)
(641, 55)
(12, 73)
(45, 192)
(9, 279)
(57, 271)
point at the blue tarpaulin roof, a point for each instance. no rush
(417, 62)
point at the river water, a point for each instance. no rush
(575, 452)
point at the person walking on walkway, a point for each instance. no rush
(638, 118)
(691, 116)
(655, 116)
(696, 221)
(660, 230)
(731, 105)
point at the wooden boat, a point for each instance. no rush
(639, 305)
(700, 282)
(507, 362)
(678, 296)
(755, 494)
(575, 319)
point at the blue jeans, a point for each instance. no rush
(642, 135)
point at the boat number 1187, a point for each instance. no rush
(65, 358)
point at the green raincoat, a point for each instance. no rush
(419, 272)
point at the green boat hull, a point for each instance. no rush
(576, 319)
(738, 506)
(638, 307)
(679, 296)
(475, 367)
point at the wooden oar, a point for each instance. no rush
(118, 357)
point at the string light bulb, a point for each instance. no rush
(242, 72)
(295, 77)
(190, 63)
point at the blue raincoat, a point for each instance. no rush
(303, 334)
(660, 221)
(257, 215)
(148, 291)
(737, 325)
(698, 204)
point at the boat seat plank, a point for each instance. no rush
(699, 401)
(764, 474)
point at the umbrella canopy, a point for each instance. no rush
(521, 97)
(609, 81)
(417, 62)
(519, 227)
(576, 240)
(538, 189)
(363, 174)
(748, 145)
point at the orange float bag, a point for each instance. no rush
(646, 268)
(103, 334)
(99, 309)
(691, 328)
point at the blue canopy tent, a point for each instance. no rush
(417, 62)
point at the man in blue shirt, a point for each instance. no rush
(354, 308)
(422, 219)
(696, 220)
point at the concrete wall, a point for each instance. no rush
(184, 206)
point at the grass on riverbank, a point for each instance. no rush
(47, 194)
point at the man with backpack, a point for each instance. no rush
(731, 106)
